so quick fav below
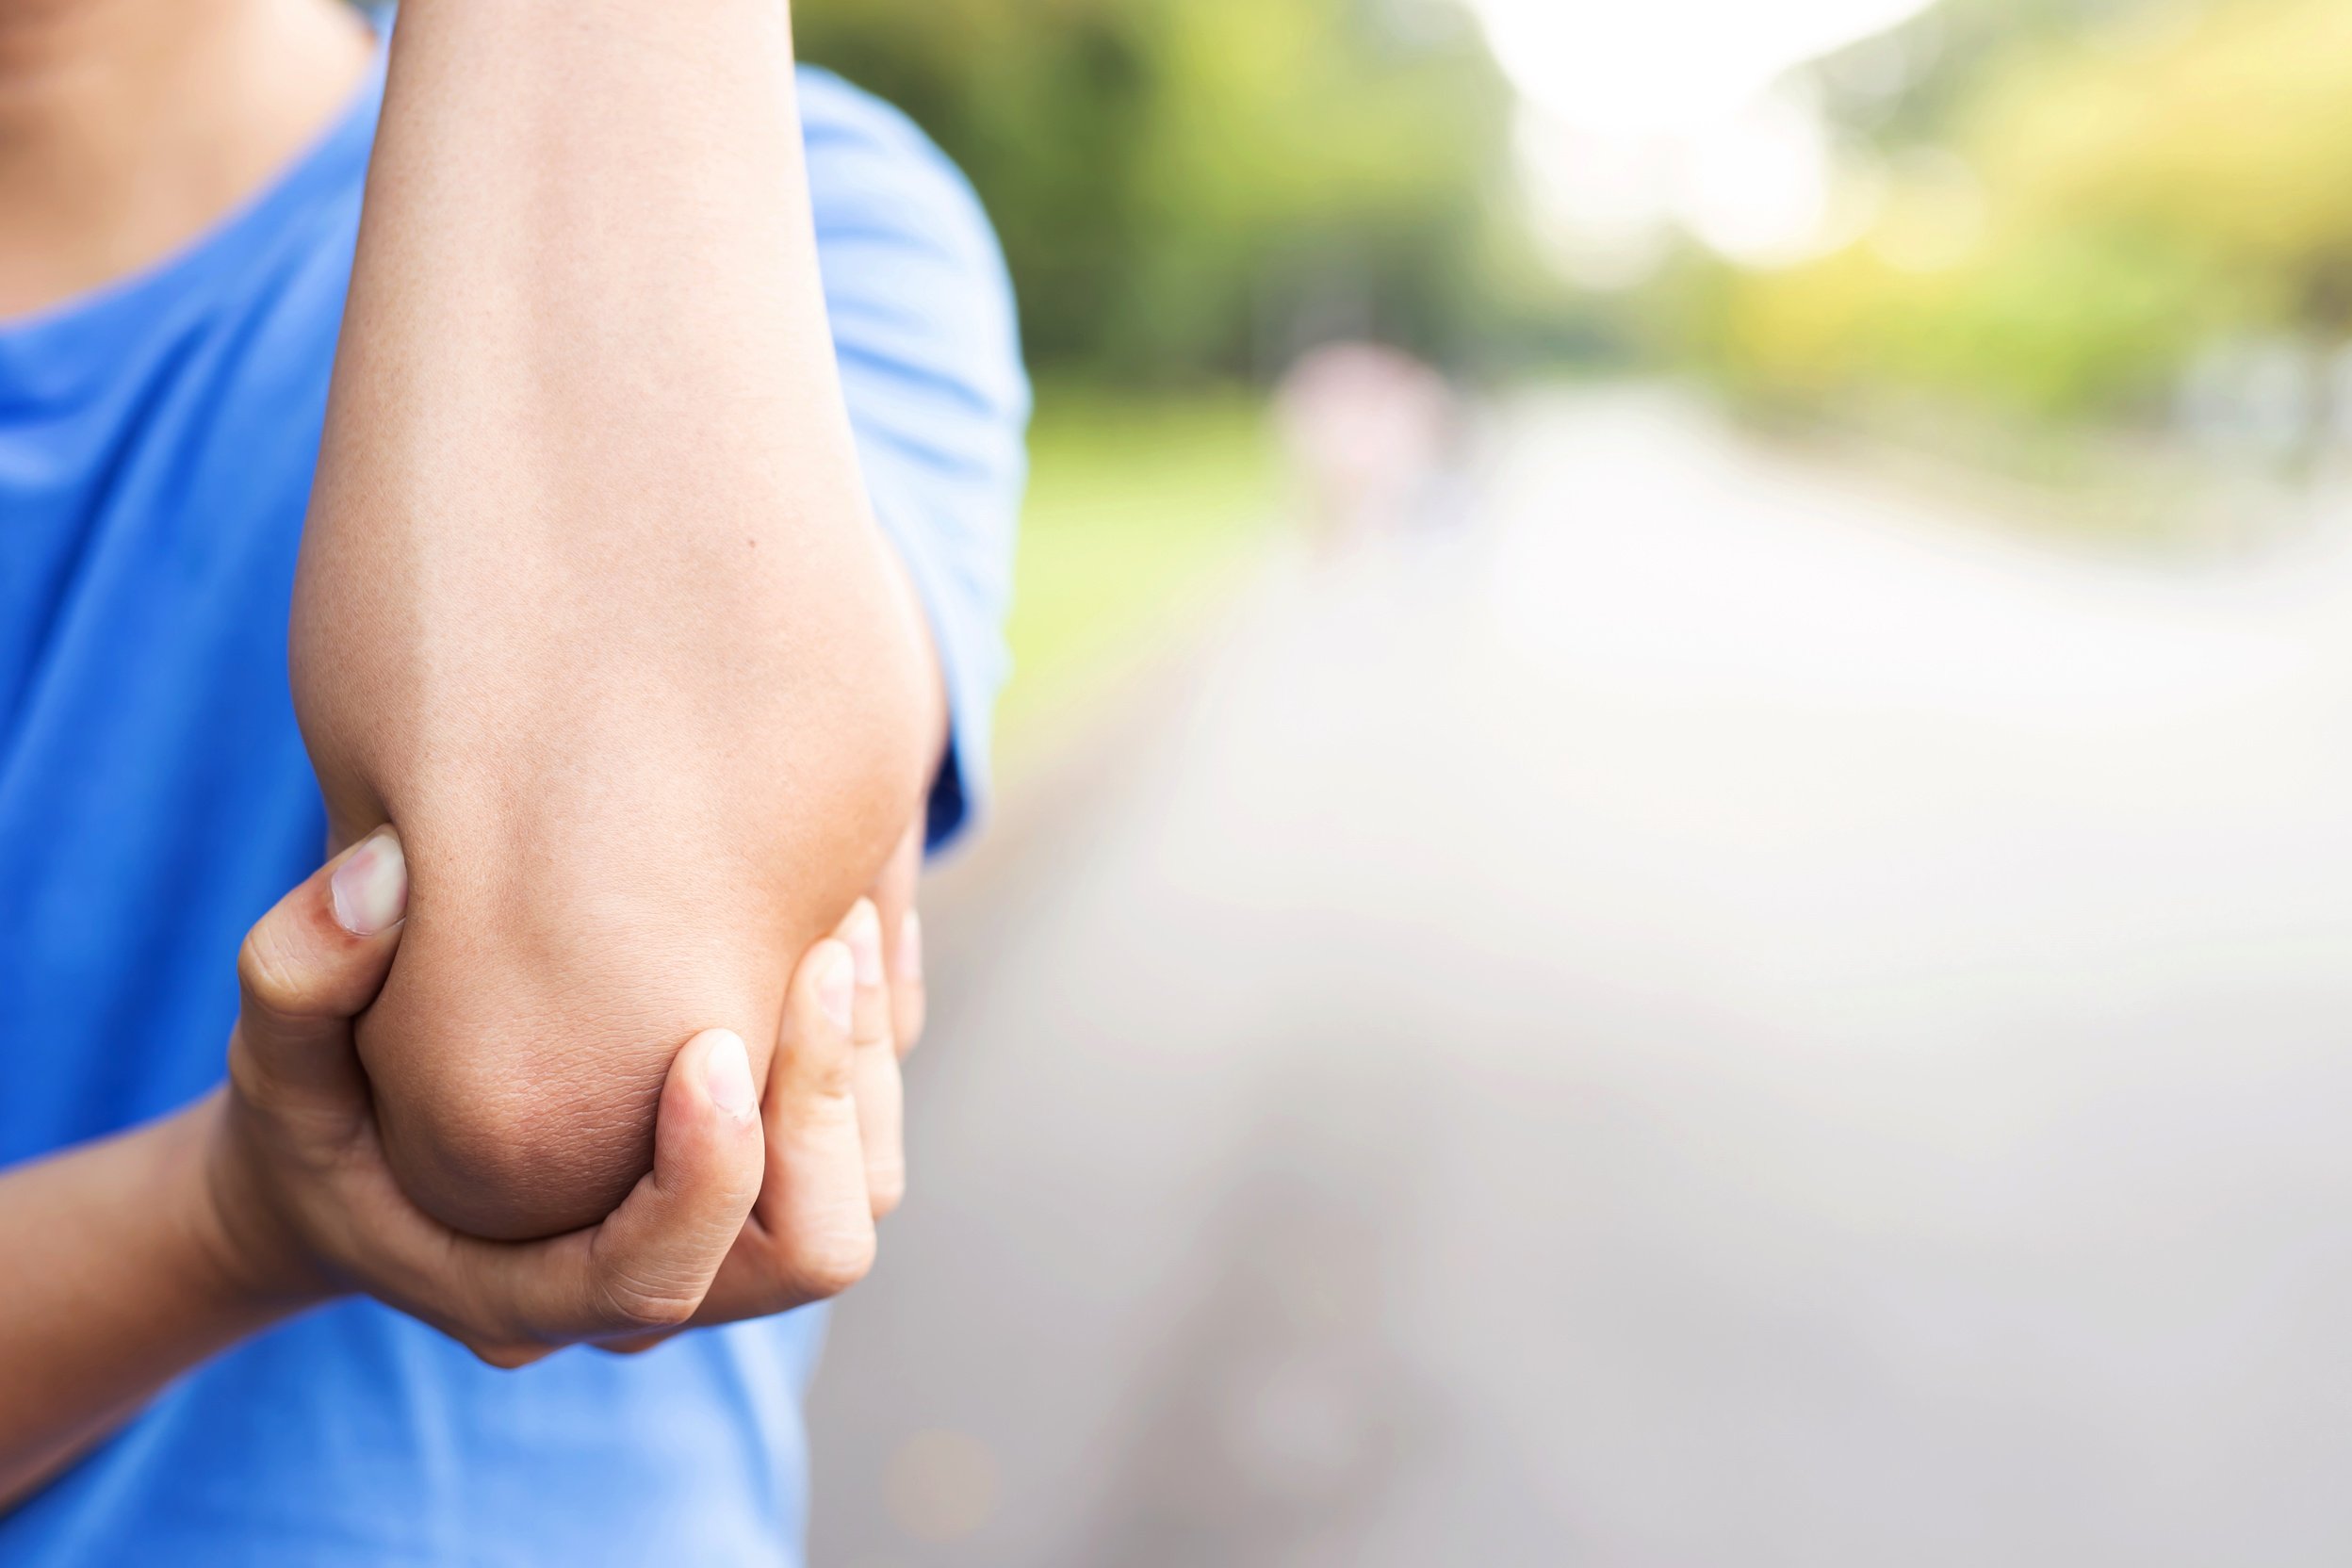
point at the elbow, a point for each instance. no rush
(509, 1144)
(572, 928)
(516, 1083)
(509, 1172)
(899, 731)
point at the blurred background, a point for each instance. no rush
(1673, 880)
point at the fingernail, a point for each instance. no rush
(727, 1076)
(910, 948)
(369, 889)
(836, 972)
(865, 942)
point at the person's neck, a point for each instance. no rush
(129, 127)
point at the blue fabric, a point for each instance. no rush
(157, 443)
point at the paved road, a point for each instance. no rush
(1715, 1018)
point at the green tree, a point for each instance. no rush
(2141, 179)
(1187, 187)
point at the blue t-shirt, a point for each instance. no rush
(157, 444)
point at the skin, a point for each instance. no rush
(590, 603)
(127, 128)
(136, 1258)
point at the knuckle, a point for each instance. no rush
(835, 1079)
(249, 1080)
(268, 971)
(829, 1077)
(505, 1356)
(255, 1084)
(632, 1305)
(828, 1265)
(886, 1186)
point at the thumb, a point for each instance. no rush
(649, 1262)
(660, 1248)
(315, 961)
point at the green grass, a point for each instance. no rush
(1141, 516)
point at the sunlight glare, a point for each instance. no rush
(1639, 117)
(1662, 66)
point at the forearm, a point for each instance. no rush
(590, 604)
(117, 1283)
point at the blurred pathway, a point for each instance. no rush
(1715, 1018)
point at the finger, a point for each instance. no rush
(312, 964)
(902, 937)
(874, 1064)
(649, 1265)
(909, 1003)
(813, 1204)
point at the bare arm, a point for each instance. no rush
(118, 1286)
(589, 605)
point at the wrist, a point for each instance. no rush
(241, 1251)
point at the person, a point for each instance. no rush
(658, 537)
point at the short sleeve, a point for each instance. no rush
(923, 329)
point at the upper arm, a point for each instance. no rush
(924, 333)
